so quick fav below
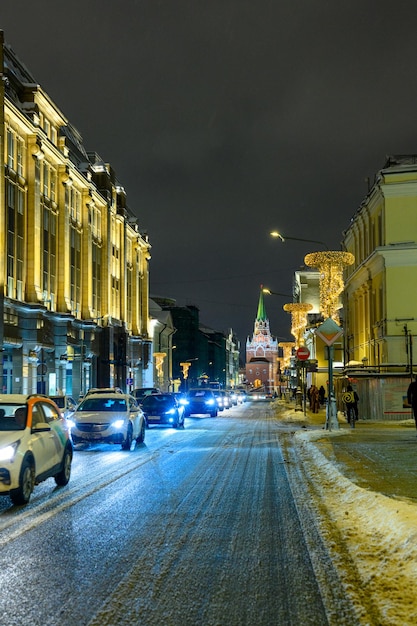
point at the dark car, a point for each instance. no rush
(201, 401)
(163, 408)
(142, 392)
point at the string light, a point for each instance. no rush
(298, 312)
(287, 347)
(330, 264)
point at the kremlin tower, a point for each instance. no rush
(262, 353)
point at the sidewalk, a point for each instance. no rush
(379, 456)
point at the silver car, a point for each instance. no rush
(108, 418)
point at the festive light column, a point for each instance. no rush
(298, 312)
(159, 360)
(330, 264)
(287, 347)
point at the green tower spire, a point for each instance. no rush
(261, 315)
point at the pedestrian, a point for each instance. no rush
(352, 406)
(309, 390)
(412, 397)
(322, 395)
(315, 399)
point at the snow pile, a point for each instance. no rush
(379, 533)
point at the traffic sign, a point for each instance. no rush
(303, 353)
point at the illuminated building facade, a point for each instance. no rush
(380, 295)
(262, 353)
(74, 265)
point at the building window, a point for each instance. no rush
(15, 237)
(73, 202)
(96, 276)
(75, 270)
(11, 146)
(49, 179)
(49, 251)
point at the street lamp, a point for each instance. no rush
(278, 235)
(275, 293)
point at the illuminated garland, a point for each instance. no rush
(287, 347)
(159, 359)
(298, 312)
(330, 265)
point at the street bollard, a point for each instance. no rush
(332, 423)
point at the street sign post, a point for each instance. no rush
(329, 332)
(303, 353)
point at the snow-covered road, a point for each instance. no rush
(196, 527)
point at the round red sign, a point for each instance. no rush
(303, 353)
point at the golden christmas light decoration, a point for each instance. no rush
(287, 347)
(298, 312)
(185, 367)
(159, 359)
(330, 264)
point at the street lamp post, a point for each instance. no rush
(278, 235)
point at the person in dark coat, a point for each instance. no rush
(412, 398)
(322, 395)
(352, 407)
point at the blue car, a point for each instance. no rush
(201, 402)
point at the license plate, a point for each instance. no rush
(154, 417)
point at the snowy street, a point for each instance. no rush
(196, 526)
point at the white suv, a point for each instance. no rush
(35, 444)
(108, 418)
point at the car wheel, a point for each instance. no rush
(127, 444)
(62, 478)
(141, 437)
(22, 494)
(213, 414)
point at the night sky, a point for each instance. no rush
(225, 119)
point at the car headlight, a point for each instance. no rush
(184, 402)
(170, 412)
(118, 424)
(9, 452)
(210, 402)
(70, 423)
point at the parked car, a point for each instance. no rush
(201, 401)
(141, 392)
(66, 404)
(233, 396)
(163, 408)
(108, 418)
(35, 444)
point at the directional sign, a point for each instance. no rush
(329, 331)
(303, 353)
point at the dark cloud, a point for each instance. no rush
(224, 119)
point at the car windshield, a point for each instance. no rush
(12, 417)
(200, 393)
(103, 404)
(157, 402)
